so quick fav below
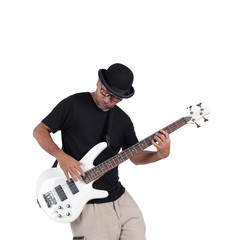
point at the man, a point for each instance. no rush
(84, 121)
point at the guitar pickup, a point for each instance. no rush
(61, 193)
(72, 186)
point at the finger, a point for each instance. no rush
(155, 144)
(158, 139)
(67, 175)
(80, 170)
(75, 175)
(77, 171)
(161, 136)
(164, 133)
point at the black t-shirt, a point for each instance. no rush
(83, 125)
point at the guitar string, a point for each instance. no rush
(174, 126)
(95, 176)
(66, 188)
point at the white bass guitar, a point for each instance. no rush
(63, 201)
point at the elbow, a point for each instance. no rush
(38, 130)
(41, 130)
(134, 161)
(35, 132)
(138, 159)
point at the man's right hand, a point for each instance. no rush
(70, 166)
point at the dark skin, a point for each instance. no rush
(72, 168)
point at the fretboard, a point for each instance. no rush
(98, 171)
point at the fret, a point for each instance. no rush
(112, 164)
(173, 127)
(149, 139)
(89, 174)
(122, 159)
(123, 153)
(117, 160)
(138, 148)
(102, 168)
(108, 163)
(131, 151)
(168, 130)
(141, 145)
(134, 148)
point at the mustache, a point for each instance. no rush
(108, 106)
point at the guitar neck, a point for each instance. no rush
(98, 171)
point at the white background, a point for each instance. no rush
(181, 52)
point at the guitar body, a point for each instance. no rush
(64, 203)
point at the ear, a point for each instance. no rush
(98, 81)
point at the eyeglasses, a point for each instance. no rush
(106, 93)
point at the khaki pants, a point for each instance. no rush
(118, 220)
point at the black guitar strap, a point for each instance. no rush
(109, 128)
(55, 164)
(108, 135)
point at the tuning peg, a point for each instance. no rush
(205, 119)
(200, 105)
(190, 107)
(198, 126)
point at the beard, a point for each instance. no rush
(102, 104)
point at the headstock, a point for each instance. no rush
(196, 114)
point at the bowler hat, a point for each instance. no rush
(118, 80)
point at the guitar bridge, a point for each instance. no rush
(49, 199)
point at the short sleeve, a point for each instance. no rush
(58, 118)
(130, 137)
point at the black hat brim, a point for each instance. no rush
(117, 92)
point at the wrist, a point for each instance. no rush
(58, 154)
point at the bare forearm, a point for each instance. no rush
(145, 157)
(43, 137)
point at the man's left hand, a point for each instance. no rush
(162, 143)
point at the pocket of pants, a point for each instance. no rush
(78, 238)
